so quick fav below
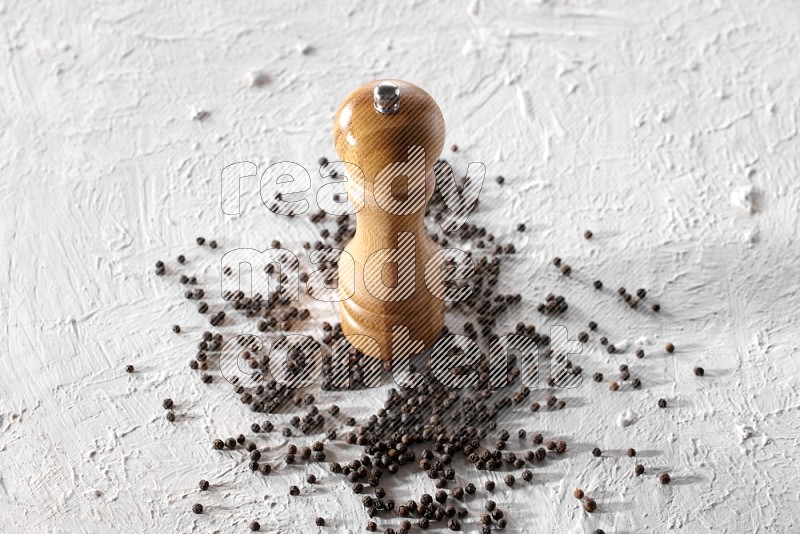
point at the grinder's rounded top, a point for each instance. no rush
(382, 120)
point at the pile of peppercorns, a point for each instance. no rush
(425, 427)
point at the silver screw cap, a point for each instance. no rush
(387, 97)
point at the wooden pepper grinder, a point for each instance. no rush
(394, 132)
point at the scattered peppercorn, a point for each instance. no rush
(638, 470)
(489, 485)
(589, 505)
(255, 526)
(129, 369)
(578, 493)
(294, 491)
(197, 508)
(613, 386)
(587, 234)
(662, 403)
(699, 371)
(664, 478)
(200, 240)
(669, 347)
(656, 307)
(320, 522)
(203, 485)
(596, 452)
(167, 403)
(171, 417)
(631, 452)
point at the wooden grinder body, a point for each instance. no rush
(371, 141)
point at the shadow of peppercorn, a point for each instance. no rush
(686, 480)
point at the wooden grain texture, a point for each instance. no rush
(391, 209)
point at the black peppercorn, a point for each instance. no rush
(638, 470)
(578, 493)
(699, 371)
(197, 508)
(664, 478)
(489, 485)
(294, 491)
(176, 328)
(255, 526)
(200, 240)
(640, 353)
(454, 524)
(203, 485)
(669, 347)
(598, 284)
(510, 480)
(320, 522)
(129, 369)
(167, 403)
(170, 416)
(597, 377)
(589, 505)
(631, 452)
(596, 452)
(587, 234)
(662, 403)
(527, 475)
(656, 307)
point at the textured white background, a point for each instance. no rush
(644, 121)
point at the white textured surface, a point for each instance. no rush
(657, 125)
